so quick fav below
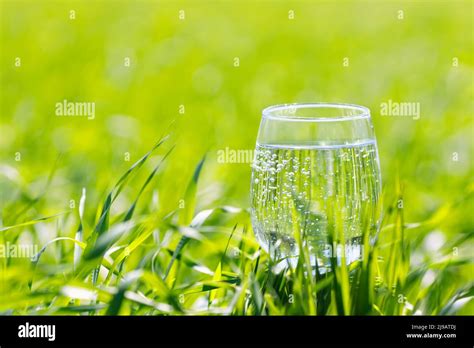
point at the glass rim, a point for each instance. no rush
(362, 112)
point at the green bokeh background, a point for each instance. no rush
(424, 57)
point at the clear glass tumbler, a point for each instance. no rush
(315, 176)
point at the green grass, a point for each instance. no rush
(152, 263)
(172, 234)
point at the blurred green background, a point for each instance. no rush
(184, 53)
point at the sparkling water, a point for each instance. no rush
(313, 190)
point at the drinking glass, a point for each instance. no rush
(315, 182)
